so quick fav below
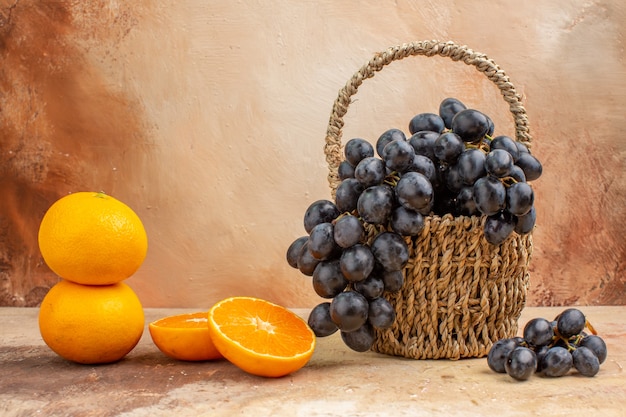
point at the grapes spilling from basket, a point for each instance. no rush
(356, 247)
(550, 348)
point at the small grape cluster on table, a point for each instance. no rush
(356, 247)
(551, 348)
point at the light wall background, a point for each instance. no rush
(208, 118)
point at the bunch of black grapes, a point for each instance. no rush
(550, 348)
(355, 248)
(350, 272)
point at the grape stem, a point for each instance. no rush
(591, 328)
(573, 341)
(392, 179)
(508, 181)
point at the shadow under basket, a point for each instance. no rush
(460, 294)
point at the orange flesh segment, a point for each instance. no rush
(264, 328)
(184, 321)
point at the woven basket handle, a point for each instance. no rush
(333, 148)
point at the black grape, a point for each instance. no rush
(489, 195)
(499, 353)
(399, 155)
(306, 261)
(538, 332)
(357, 149)
(506, 143)
(426, 121)
(521, 363)
(448, 147)
(371, 287)
(388, 136)
(454, 182)
(321, 211)
(519, 198)
(585, 361)
(471, 165)
(328, 280)
(406, 222)
(517, 174)
(424, 143)
(359, 340)
(596, 345)
(414, 191)
(471, 125)
(348, 231)
(526, 223)
(448, 108)
(530, 165)
(425, 166)
(322, 242)
(498, 227)
(376, 203)
(320, 322)
(522, 148)
(570, 322)
(293, 252)
(357, 262)
(347, 195)
(465, 204)
(393, 280)
(381, 314)
(499, 163)
(349, 310)
(370, 171)
(345, 170)
(390, 251)
(491, 127)
(556, 362)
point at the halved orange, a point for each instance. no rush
(260, 337)
(184, 337)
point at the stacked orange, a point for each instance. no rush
(93, 242)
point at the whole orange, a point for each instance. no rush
(92, 238)
(91, 324)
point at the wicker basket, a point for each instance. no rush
(460, 293)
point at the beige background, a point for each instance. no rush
(208, 119)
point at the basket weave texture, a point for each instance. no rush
(460, 293)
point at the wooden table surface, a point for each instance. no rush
(337, 381)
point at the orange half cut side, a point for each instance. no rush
(260, 337)
(184, 337)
